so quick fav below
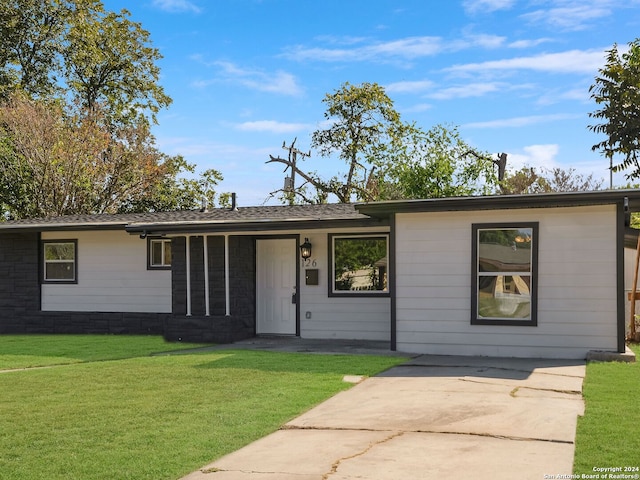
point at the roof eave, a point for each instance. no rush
(501, 202)
(61, 227)
(250, 226)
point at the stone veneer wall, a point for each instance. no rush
(20, 299)
(20, 295)
(217, 327)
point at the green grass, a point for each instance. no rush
(151, 417)
(609, 433)
(19, 351)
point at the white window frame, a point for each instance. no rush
(163, 242)
(74, 261)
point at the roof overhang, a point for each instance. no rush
(164, 228)
(630, 198)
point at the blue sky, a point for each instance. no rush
(246, 75)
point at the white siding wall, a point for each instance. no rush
(577, 309)
(363, 318)
(112, 276)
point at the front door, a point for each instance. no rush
(276, 286)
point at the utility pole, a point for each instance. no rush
(290, 182)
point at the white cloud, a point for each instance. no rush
(359, 49)
(528, 43)
(409, 86)
(535, 156)
(176, 6)
(279, 82)
(482, 40)
(272, 126)
(572, 61)
(550, 97)
(417, 108)
(522, 121)
(406, 48)
(570, 17)
(486, 6)
(466, 91)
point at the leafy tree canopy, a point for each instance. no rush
(76, 49)
(616, 91)
(386, 157)
(434, 164)
(78, 92)
(546, 180)
(55, 162)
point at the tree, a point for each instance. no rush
(365, 127)
(386, 158)
(617, 91)
(74, 48)
(545, 180)
(32, 33)
(53, 163)
(108, 62)
(174, 192)
(434, 164)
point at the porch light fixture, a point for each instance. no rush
(305, 249)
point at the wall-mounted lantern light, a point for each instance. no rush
(305, 249)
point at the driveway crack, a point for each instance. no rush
(336, 464)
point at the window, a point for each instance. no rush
(505, 258)
(358, 264)
(159, 253)
(59, 261)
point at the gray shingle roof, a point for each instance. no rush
(218, 217)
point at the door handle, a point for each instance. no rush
(294, 298)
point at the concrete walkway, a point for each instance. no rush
(433, 417)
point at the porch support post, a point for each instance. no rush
(188, 260)
(206, 276)
(227, 296)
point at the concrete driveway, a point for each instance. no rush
(433, 417)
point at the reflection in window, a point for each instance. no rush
(160, 253)
(504, 274)
(59, 261)
(359, 264)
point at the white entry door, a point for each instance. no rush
(275, 286)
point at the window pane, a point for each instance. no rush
(167, 252)
(156, 252)
(59, 251)
(504, 296)
(504, 250)
(360, 264)
(59, 271)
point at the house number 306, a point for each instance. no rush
(308, 262)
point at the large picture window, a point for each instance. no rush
(358, 264)
(505, 258)
(59, 261)
(159, 253)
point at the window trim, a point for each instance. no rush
(43, 262)
(150, 264)
(533, 320)
(331, 267)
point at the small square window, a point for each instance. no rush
(159, 256)
(59, 261)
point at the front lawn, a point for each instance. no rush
(609, 433)
(150, 417)
(20, 351)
